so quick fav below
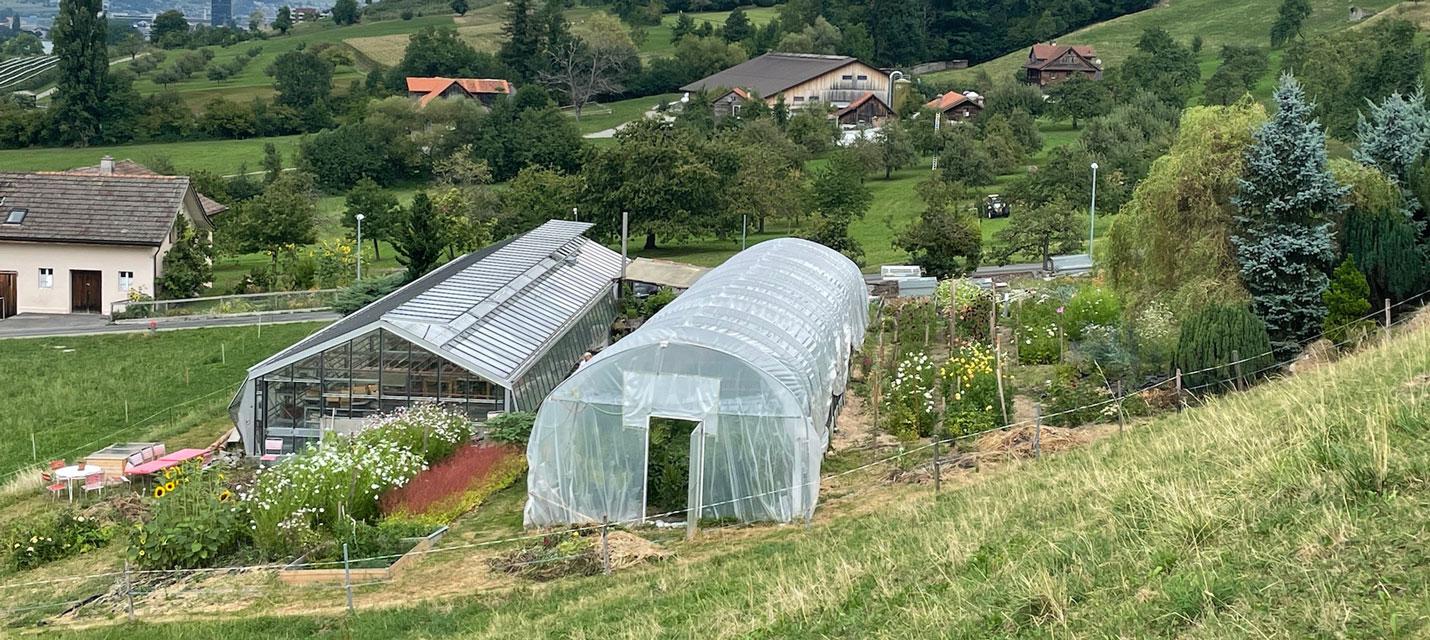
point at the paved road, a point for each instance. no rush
(39, 325)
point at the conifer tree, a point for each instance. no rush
(79, 36)
(418, 240)
(1347, 302)
(1212, 342)
(1395, 138)
(1286, 201)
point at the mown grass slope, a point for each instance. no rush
(1295, 510)
(1218, 22)
(220, 156)
(72, 392)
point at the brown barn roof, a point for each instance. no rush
(859, 102)
(131, 168)
(91, 209)
(772, 72)
(1045, 55)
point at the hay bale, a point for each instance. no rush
(629, 549)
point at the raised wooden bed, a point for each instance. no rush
(296, 574)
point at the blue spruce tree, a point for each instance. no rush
(1395, 138)
(1286, 202)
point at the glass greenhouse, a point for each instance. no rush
(493, 330)
(754, 357)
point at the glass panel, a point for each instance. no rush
(424, 387)
(283, 409)
(366, 364)
(337, 381)
(308, 390)
(396, 354)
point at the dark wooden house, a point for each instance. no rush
(1053, 63)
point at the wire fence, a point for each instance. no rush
(120, 585)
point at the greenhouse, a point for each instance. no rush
(493, 330)
(750, 362)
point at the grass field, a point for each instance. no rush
(76, 389)
(1218, 23)
(612, 114)
(1294, 510)
(221, 156)
(254, 81)
(657, 42)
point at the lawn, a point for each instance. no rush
(80, 393)
(597, 117)
(220, 156)
(1294, 510)
(1218, 23)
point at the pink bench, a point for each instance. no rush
(172, 460)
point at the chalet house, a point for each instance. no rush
(1051, 63)
(868, 110)
(956, 107)
(801, 79)
(484, 90)
(76, 242)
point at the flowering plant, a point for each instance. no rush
(66, 534)
(910, 398)
(969, 384)
(195, 524)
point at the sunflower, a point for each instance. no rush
(169, 486)
(159, 491)
(169, 473)
(225, 496)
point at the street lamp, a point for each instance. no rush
(359, 217)
(1092, 213)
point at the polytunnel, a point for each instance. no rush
(755, 354)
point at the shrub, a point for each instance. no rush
(1069, 391)
(555, 556)
(63, 535)
(1347, 303)
(1154, 332)
(968, 305)
(657, 301)
(1214, 338)
(511, 428)
(195, 523)
(1091, 305)
(456, 485)
(362, 293)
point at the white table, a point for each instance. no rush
(76, 472)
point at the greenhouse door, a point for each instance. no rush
(674, 465)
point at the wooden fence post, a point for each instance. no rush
(347, 578)
(1239, 384)
(937, 472)
(1121, 419)
(1179, 389)
(605, 546)
(1038, 431)
(1385, 332)
(128, 592)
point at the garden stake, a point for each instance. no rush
(1038, 431)
(222, 353)
(1236, 361)
(605, 546)
(1179, 389)
(126, 411)
(347, 578)
(128, 592)
(998, 375)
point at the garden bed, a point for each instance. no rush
(296, 573)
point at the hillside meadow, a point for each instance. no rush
(1292, 510)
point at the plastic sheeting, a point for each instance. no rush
(756, 352)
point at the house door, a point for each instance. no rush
(7, 294)
(85, 292)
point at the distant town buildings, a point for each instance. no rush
(221, 13)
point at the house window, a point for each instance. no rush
(126, 280)
(798, 99)
(863, 78)
(814, 98)
(846, 78)
(47, 278)
(16, 216)
(734, 108)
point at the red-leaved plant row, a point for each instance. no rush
(469, 468)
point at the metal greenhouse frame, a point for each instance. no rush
(756, 352)
(493, 330)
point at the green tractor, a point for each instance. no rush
(994, 206)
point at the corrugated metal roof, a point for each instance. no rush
(496, 309)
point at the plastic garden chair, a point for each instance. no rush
(160, 450)
(272, 448)
(48, 476)
(94, 483)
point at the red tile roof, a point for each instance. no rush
(947, 101)
(434, 87)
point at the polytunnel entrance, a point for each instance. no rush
(670, 446)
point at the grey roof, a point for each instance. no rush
(131, 168)
(771, 73)
(63, 207)
(493, 311)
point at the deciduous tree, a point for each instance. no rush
(378, 207)
(284, 20)
(78, 34)
(947, 243)
(1040, 231)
